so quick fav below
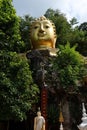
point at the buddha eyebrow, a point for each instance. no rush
(47, 23)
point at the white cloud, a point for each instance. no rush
(74, 8)
(36, 8)
(79, 9)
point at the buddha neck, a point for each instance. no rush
(43, 44)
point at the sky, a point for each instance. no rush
(37, 8)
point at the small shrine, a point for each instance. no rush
(83, 125)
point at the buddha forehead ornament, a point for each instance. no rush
(43, 33)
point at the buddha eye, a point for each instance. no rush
(36, 27)
(47, 26)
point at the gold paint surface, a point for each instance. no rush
(42, 34)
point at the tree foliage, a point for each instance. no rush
(24, 29)
(9, 27)
(83, 26)
(17, 90)
(67, 69)
(73, 21)
(68, 63)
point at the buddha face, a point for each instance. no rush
(42, 31)
(42, 34)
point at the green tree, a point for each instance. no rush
(17, 90)
(73, 21)
(83, 26)
(63, 28)
(24, 29)
(69, 65)
(67, 69)
(82, 43)
(9, 28)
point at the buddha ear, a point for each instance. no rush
(55, 38)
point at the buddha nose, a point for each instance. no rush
(41, 29)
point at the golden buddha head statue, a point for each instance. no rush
(43, 33)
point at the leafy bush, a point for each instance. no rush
(17, 90)
(70, 66)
